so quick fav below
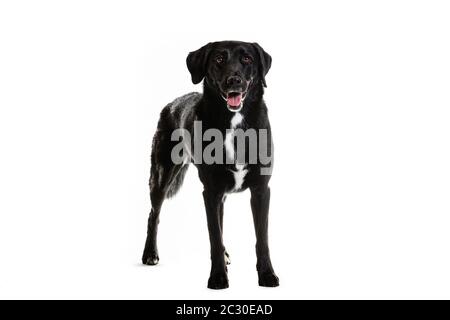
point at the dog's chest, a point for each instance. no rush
(239, 171)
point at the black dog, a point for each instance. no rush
(234, 77)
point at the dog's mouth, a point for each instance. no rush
(234, 100)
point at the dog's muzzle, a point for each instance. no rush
(235, 93)
(235, 100)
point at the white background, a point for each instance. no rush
(359, 101)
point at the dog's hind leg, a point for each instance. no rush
(166, 178)
(161, 180)
(150, 255)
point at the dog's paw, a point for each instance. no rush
(268, 279)
(227, 258)
(218, 281)
(150, 258)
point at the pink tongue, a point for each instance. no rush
(234, 101)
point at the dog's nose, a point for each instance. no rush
(234, 80)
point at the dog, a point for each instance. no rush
(233, 75)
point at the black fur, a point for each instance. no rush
(225, 67)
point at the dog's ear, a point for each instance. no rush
(265, 61)
(196, 62)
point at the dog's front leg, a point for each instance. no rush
(260, 199)
(218, 278)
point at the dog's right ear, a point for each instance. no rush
(196, 62)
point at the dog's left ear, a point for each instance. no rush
(265, 61)
(196, 62)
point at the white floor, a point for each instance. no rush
(317, 254)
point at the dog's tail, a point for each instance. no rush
(177, 181)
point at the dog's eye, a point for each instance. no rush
(219, 59)
(247, 59)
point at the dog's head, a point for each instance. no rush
(231, 68)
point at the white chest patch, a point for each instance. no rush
(236, 120)
(239, 176)
(240, 171)
(229, 146)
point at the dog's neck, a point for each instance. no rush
(214, 109)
